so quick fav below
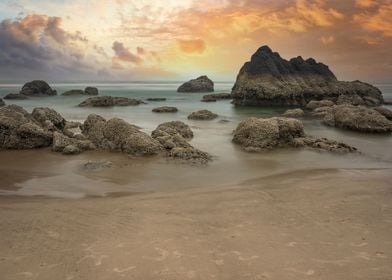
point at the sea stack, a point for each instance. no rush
(201, 84)
(269, 80)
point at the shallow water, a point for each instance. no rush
(230, 166)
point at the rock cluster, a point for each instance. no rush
(173, 137)
(165, 109)
(86, 91)
(255, 135)
(201, 84)
(109, 101)
(216, 96)
(202, 115)
(269, 80)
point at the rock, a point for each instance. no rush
(116, 134)
(37, 88)
(73, 92)
(173, 137)
(91, 91)
(385, 112)
(156, 99)
(61, 142)
(18, 130)
(353, 99)
(15, 96)
(294, 113)
(109, 101)
(97, 165)
(256, 135)
(357, 118)
(201, 84)
(321, 112)
(71, 125)
(165, 109)
(317, 104)
(172, 128)
(202, 115)
(49, 118)
(2, 103)
(71, 150)
(269, 80)
(388, 101)
(216, 96)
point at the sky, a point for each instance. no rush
(133, 40)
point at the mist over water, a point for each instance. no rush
(230, 165)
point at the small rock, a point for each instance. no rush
(71, 150)
(294, 113)
(156, 99)
(109, 101)
(97, 165)
(216, 96)
(165, 109)
(317, 104)
(73, 92)
(91, 91)
(202, 115)
(15, 96)
(201, 84)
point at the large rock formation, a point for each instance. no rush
(256, 135)
(357, 118)
(201, 84)
(37, 88)
(269, 80)
(109, 101)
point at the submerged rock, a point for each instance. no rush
(165, 109)
(73, 92)
(109, 101)
(269, 80)
(37, 88)
(201, 84)
(216, 96)
(202, 115)
(294, 113)
(156, 99)
(357, 118)
(256, 135)
(173, 137)
(97, 165)
(15, 96)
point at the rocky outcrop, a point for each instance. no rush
(216, 96)
(357, 118)
(37, 88)
(173, 137)
(202, 115)
(91, 91)
(49, 119)
(317, 104)
(156, 99)
(165, 109)
(15, 96)
(269, 80)
(201, 84)
(109, 101)
(294, 113)
(256, 135)
(116, 134)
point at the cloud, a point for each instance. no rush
(365, 3)
(378, 21)
(192, 46)
(327, 40)
(123, 54)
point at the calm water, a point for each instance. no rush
(230, 163)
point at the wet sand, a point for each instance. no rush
(313, 224)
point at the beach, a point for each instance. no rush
(282, 214)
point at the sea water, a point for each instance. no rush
(230, 164)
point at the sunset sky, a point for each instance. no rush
(125, 40)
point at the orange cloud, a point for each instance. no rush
(327, 40)
(192, 46)
(380, 21)
(366, 3)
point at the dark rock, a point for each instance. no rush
(202, 115)
(256, 135)
(109, 101)
(2, 103)
(156, 99)
(37, 88)
(317, 104)
(357, 118)
(91, 91)
(269, 80)
(388, 101)
(73, 92)
(294, 113)
(201, 84)
(165, 109)
(15, 96)
(216, 96)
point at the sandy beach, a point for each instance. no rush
(311, 224)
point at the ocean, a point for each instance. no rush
(230, 164)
